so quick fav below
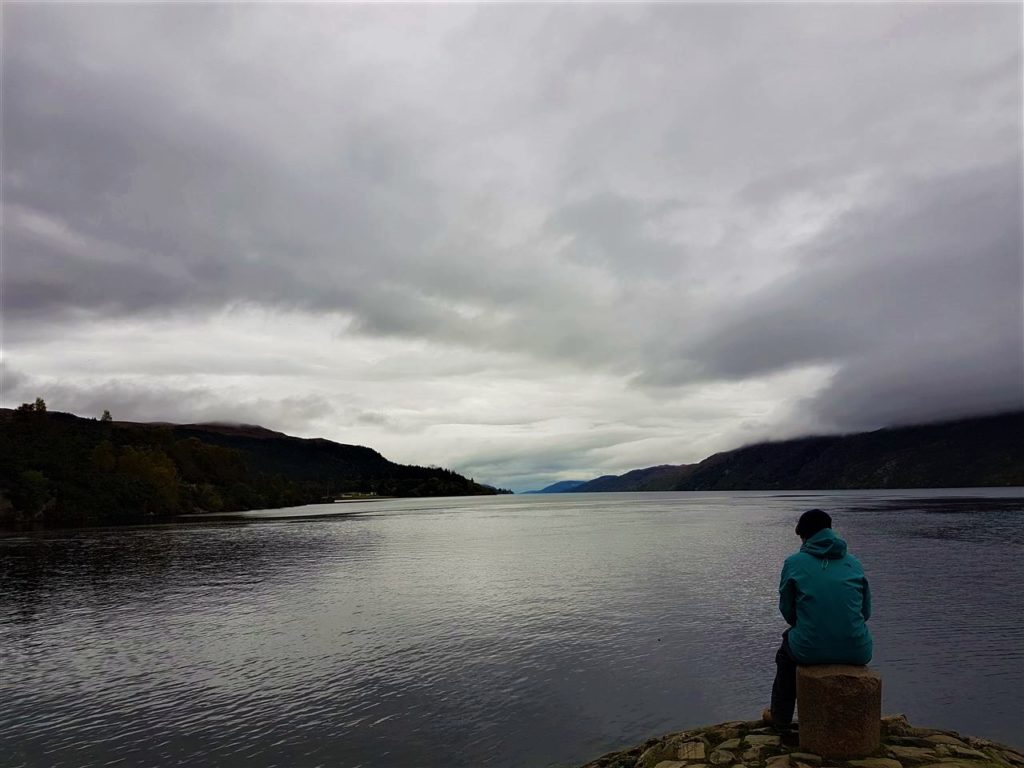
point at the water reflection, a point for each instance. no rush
(484, 632)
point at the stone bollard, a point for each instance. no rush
(840, 710)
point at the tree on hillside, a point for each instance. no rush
(106, 417)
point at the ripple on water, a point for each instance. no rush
(479, 632)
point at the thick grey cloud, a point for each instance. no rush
(189, 404)
(501, 231)
(918, 301)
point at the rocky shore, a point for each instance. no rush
(751, 745)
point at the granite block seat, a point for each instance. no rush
(840, 710)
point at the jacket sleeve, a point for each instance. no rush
(787, 596)
(865, 607)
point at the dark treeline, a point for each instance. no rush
(57, 469)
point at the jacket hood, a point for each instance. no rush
(825, 545)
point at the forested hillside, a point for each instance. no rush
(59, 469)
(985, 451)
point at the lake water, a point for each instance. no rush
(500, 631)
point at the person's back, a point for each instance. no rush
(825, 598)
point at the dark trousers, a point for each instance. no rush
(784, 688)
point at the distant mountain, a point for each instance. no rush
(563, 486)
(664, 477)
(978, 452)
(59, 469)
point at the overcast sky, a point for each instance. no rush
(529, 243)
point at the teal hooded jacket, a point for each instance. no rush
(825, 598)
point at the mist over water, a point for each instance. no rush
(497, 631)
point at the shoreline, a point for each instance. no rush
(751, 744)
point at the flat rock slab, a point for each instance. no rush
(910, 741)
(806, 757)
(692, 750)
(913, 754)
(876, 762)
(723, 734)
(973, 754)
(763, 740)
(943, 738)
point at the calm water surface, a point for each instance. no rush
(502, 631)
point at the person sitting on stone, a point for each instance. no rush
(825, 599)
